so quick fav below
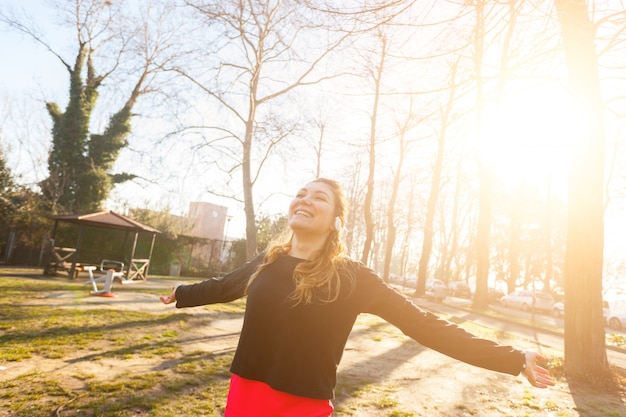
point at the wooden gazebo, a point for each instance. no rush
(69, 259)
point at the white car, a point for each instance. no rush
(558, 310)
(525, 300)
(436, 289)
(616, 321)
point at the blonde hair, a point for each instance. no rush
(317, 279)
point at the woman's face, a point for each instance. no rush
(313, 209)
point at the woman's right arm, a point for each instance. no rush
(215, 290)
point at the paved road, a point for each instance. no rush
(537, 335)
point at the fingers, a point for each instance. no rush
(537, 376)
(169, 299)
(166, 299)
(542, 378)
(541, 370)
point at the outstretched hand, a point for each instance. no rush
(537, 376)
(171, 298)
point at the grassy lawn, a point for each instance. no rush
(194, 385)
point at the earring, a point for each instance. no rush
(338, 224)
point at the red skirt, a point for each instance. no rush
(248, 398)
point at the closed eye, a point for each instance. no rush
(316, 195)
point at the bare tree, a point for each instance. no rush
(454, 262)
(255, 39)
(403, 144)
(435, 185)
(585, 351)
(485, 166)
(376, 71)
(319, 148)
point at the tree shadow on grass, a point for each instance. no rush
(372, 370)
(189, 386)
(604, 398)
(58, 332)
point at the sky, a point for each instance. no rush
(31, 74)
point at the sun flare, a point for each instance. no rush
(526, 138)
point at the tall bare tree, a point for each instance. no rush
(435, 184)
(485, 166)
(398, 174)
(486, 173)
(376, 71)
(585, 351)
(255, 41)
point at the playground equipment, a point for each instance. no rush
(113, 270)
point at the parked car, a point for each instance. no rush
(616, 321)
(525, 300)
(436, 289)
(459, 289)
(494, 295)
(559, 308)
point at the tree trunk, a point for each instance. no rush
(433, 197)
(391, 208)
(515, 245)
(485, 173)
(377, 74)
(585, 350)
(246, 166)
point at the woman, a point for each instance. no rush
(303, 299)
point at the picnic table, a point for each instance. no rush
(61, 259)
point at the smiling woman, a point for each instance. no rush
(303, 298)
(526, 138)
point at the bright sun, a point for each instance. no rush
(526, 137)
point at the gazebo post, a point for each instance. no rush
(150, 253)
(77, 253)
(54, 232)
(46, 269)
(123, 250)
(132, 255)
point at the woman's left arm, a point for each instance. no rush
(446, 337)
(537, 376)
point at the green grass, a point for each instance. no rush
(48, 331)
(192, 384)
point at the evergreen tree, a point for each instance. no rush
(80, 163)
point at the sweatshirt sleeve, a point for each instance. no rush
(230, 287)
(436, 333)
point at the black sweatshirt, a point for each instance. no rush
(297, 349)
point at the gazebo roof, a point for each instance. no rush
(106, 219)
